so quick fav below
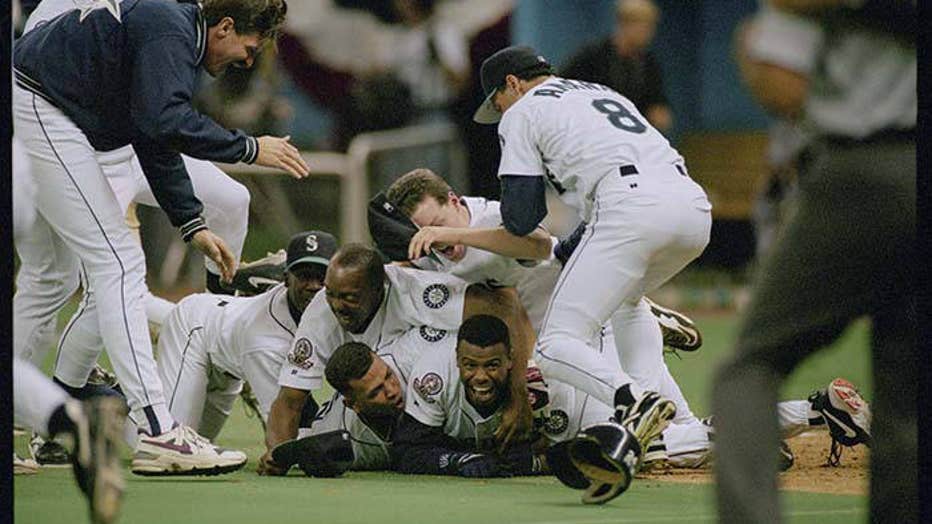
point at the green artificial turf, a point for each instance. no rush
(52, 497)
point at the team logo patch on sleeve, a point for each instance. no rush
(300, 356)
(557, 422)
(427, 386)
(436, 295)
(432, 335)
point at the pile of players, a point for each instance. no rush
(467, 342)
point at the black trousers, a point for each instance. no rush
(847, 252)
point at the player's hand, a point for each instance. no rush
(267, 467)
(429, 237)
(278, 153)
(214, 248)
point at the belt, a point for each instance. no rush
(629, 170)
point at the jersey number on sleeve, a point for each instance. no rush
(619, 116)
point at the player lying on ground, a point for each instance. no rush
(210, 344)
(455, 394)
(369, 302)
(368, 400)
(448, 384)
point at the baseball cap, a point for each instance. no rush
(310, 247)
(509, 61)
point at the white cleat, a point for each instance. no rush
(182, 451)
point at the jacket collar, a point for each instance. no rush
(200, 27)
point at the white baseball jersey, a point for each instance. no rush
(436, 397)
(575, 133)
(371, 448)
(533, 281)
(412, 299)
(246, 337)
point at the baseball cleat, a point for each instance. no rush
(655, 455)
(787, 458)
(97, 436)
(23, 466)
(647, 417)
(182, 451)
(48, 453)
(846, 413)
(679, 331)
(253, 278)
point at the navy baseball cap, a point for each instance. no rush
(310, 247)
(509, 61)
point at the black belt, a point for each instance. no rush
(631, 170)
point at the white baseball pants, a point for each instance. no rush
(644, 229)
(77, 203)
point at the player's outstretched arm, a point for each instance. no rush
(278, 153)
(282, 426)
(536, 245)
(419, 449)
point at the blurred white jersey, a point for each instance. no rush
(575, 133)
(426, 303)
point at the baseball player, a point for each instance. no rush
(91, 428)
(369, 395)
(78, 93)
(49, 273)
(645, 218)
(210, 344)
(368, 302)
(463, 230)
(458, 389)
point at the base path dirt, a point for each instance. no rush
(809, 472)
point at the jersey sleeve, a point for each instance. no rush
(520, 153)
(314, 342)
(427, 396)
(427, 298)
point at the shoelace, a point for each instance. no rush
(195, 439)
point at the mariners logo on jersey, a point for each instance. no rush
(436, 295)
(428, 386)
(300, 356)
(432, 335)
(556, 423)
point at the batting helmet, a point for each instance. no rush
(607, 454)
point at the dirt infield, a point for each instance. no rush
(809, 472)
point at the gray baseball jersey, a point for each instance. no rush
(371, 448)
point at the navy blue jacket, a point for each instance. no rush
(131, 82)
